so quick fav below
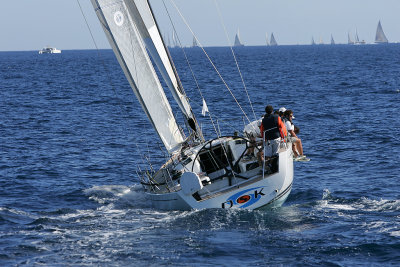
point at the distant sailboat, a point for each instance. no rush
(321, 42)
(349, 39)
(175, 42)
(312, 41)
(358, 40)
(380, 37)
(332, 41)
(273, 41)
(237, 40)
(194, 44)
(266, 39)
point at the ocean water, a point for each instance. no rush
(72, 137)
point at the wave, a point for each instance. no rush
(15, 216)
(120, 195)
(364, 204)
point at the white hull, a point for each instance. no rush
(255, 193)
(49, 50)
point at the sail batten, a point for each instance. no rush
(126, 36)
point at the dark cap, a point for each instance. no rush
(269, 109)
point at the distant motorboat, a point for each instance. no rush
(380, 37)
(50, 50)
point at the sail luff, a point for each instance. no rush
(122, 31)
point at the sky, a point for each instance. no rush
(33, 24)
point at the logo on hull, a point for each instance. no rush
(244, 198)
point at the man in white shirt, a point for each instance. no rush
(296, 141)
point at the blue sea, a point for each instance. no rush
(73, 137)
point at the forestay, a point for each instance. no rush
(126, 32)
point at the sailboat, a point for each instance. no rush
(349, 39)
(332, 41)
(357, 40)
(312, 41)
(273, 41)
(194, 44)
(237, 40)
(380, 37)
(321, 42)
(266, 39)
(199, 173)
(175, 42)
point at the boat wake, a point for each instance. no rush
(120, 196)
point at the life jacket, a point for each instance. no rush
(273, 126)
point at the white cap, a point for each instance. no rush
(282, 109)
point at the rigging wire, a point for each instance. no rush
(209, 59)
(190, 66)
(215, 68)
(187, 60)
(234, 56)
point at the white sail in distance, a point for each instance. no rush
(125, 33)
(273, 41)
(380, 37)
(349, 40)
(237, 40)
(357, 40)
(194, 43)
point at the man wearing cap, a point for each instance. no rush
(281, 111)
